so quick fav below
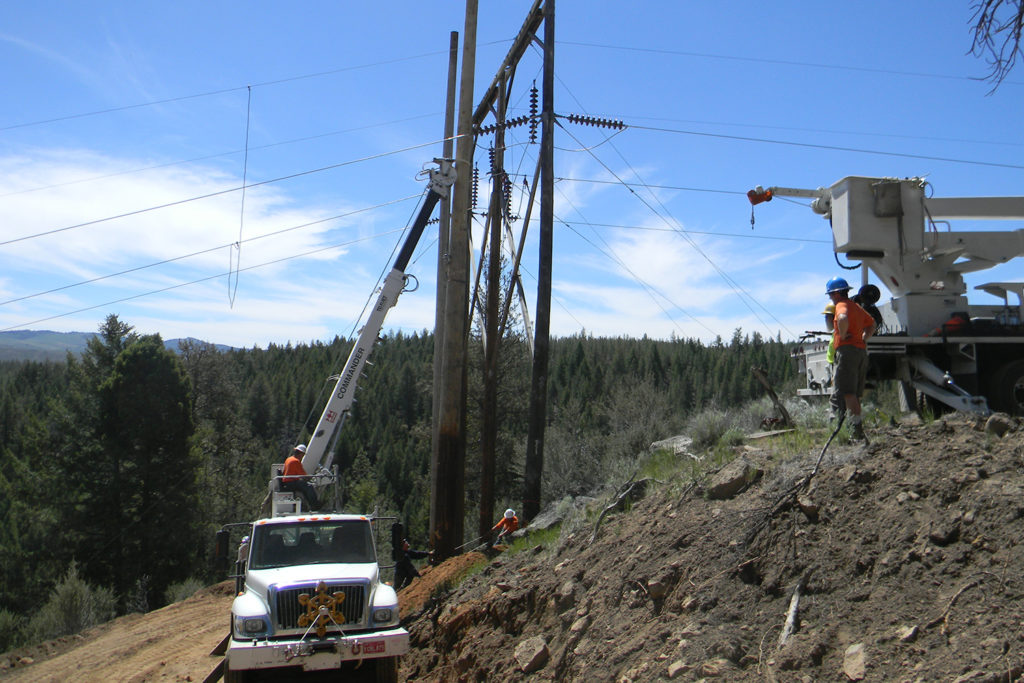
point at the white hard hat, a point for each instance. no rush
(510, 513)
(301, 448)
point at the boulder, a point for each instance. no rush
(855, 662)
(532, 654)
(733, 478)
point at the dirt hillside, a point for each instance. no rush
(906, 552)
(904, 557)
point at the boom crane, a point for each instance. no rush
(932, 339)
(320, 449)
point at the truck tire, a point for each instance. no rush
(387, 670)
(1007, 393)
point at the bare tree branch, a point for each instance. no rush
(997, 27)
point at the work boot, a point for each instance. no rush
(857, 432)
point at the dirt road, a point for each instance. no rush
(169, 644)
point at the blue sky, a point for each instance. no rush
(115, 109)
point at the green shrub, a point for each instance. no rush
(10, 630)
(177, 592)
(73, 607)
(707, 427)
(662, 464)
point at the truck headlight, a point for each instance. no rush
(250, 627)
(382, 615)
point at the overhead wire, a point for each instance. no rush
(220, 192)
(677, 229)
(740, 235)
(609, 252)
(744, 296)
(207, 157)
(222, 91)
(674, 224)
(241, 217)
(212, 249)
(834, 148)
(200, 280)
(781, 62)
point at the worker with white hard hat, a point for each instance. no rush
(505, 526)
(295, 479)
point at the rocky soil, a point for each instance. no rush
(896, 561)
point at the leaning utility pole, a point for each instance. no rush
(492, 338)
(448, 460)
(539, 379)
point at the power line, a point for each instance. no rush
(834, 148)
(197, 281)
(222, 91)
(742, 235)
(656, 187)
(211, 249)
(828, 131)
(218, 193)
(214, 156)
(781, 62)
(736, 287)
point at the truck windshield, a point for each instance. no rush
(283, 545)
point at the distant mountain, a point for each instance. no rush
(44, 345)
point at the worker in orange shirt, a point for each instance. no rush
(294, 479)
(505, 526)
(852, 329)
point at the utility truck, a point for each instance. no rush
(943, 350)
(310, 597)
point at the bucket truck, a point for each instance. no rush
(942, 349)
(309, 592)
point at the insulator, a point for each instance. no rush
(510, 123)
(507, 189)
(594, 121)
(476, 183)
(533, 113)
(490, 158)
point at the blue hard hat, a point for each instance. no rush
(837, 284)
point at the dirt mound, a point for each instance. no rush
(436, 578)
(904, 558)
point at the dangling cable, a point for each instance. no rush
(237, 246)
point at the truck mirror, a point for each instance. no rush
(397, 534)
(220, 551)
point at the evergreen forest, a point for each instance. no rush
(118, 466)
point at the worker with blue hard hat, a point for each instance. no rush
(852, 327)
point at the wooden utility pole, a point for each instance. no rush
(448, 461)
(489, 409)
(539, 378)
(443, 239)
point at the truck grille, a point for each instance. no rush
(288, 608)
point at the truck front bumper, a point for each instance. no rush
(316, 655)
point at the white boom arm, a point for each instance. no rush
(319, 451)
(888, 223)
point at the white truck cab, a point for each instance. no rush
(313, 600)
